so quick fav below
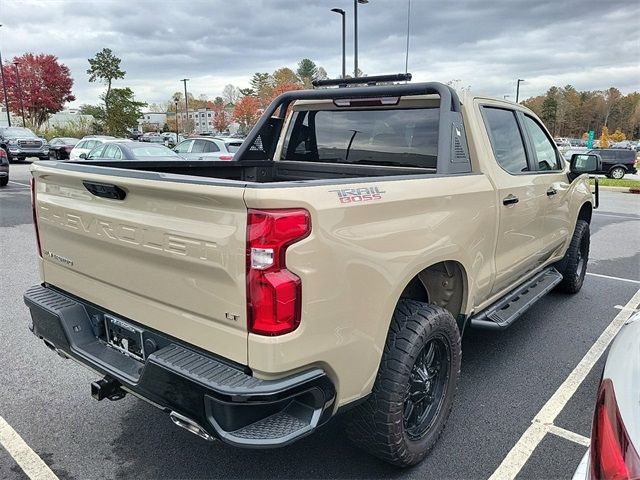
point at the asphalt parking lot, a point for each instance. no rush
(508, 380)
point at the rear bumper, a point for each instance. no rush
(222, 398)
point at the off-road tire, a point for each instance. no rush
(570, 268)
(377, 425)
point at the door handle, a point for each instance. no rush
(552, 191)
(510, 200)
(105, 190)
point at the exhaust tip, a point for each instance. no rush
(190, 426)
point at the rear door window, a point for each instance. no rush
(199, 146)
(506, 139)
(209, 147)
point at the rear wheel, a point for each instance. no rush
(573, 266)
(4, 181)
(617, 173)
(412, 397)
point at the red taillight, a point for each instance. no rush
(225, 157)
(32, 183)
(274, 303)
(613, 456)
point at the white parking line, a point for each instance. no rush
(568, 435)
(613, 278)
(21, 184)
(543, 421)
(27, 459)
(631, 216)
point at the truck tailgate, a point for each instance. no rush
(170, 256)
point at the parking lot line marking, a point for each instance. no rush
(524, 447)
(613, 278)
(630, 216)
(22, 184)
(25, 457)
(569, 435)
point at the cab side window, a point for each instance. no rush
(506, 139)
(547, 158)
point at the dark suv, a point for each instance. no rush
(616, 162)
(20, 143)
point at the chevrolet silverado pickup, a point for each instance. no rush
(332, 267)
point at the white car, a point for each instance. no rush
(87, 144)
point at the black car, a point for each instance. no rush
(60, 147)
(21, 143)
(131, 151)
(616, 162)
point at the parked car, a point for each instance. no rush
(563, 144)
(60, 147)
(4, 168)
(171, 139)
(151, 137)
(124, 150)
(209, 148)
(20, 143)
(616, 162)
(87, 144)
(335, 265)
(615, 431)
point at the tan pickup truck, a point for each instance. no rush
(333, 267)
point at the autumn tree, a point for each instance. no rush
(44, 85)
(246, 113)
(284, 75)
(221, 118)
(604, 138)
(618, 136)
(105, 67)
(124, 111)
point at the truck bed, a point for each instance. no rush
(262, 171)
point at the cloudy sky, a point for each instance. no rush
(486, 44)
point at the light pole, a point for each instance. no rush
(176, 101)
(20, 91)
(344, 31)
(186, 104)
(4, 90)
(355, 35)
(518, 89)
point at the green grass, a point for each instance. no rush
(610, 182)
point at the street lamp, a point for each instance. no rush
(344, 31)
(355, 35)
(20, 92)
(4, 89)
(518, 89)
(186, 104)
(176, 101)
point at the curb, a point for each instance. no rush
(619, 189)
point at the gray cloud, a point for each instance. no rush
(487, 44)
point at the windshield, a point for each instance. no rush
(394, 137)
(19, 132)
(152, 151)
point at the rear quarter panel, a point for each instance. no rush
(358, 260)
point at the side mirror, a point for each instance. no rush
(83, 155)
(585, 163)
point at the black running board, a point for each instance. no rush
(507, 310)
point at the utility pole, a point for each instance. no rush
(20, 91)
(4, 90)
(176, 101)
(186, 104)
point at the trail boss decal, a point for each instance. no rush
(357, 195)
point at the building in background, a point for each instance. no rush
(152, 121)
